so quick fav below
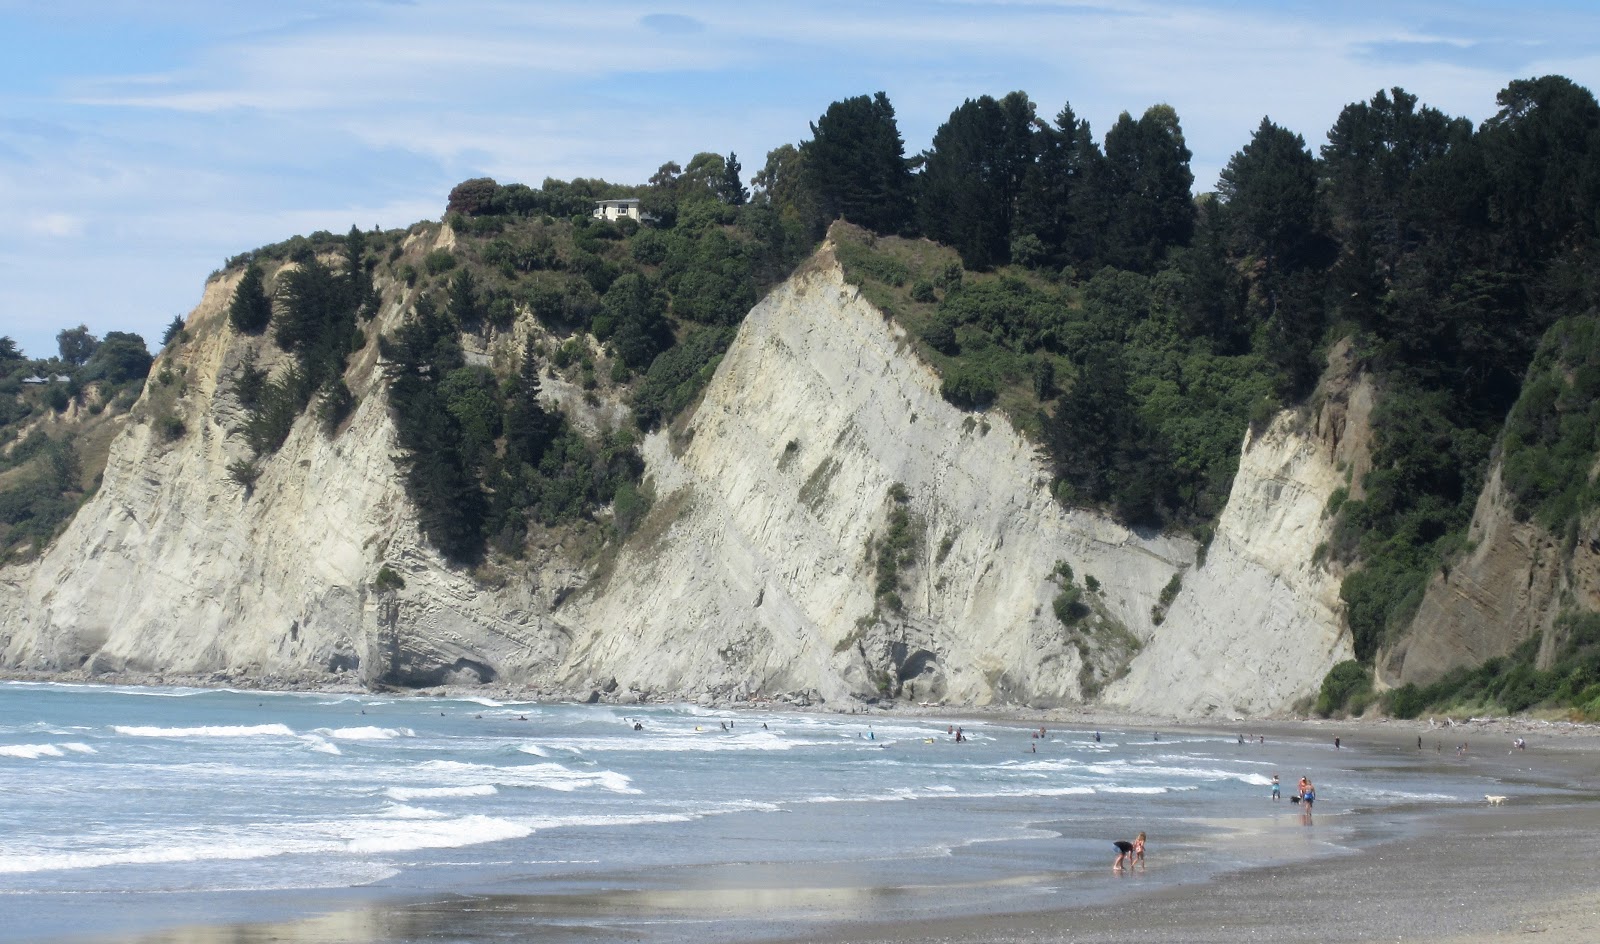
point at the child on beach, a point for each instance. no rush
(1138, 852)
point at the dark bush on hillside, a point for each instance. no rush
(676, 377)
(1343, 681)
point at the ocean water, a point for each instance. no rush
(131, 810)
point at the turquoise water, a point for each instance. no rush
(132, 809)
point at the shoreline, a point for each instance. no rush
(1070, 716)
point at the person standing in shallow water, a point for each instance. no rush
(1138, 853)
(1275, 788)
(1124, 851)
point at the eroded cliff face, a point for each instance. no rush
(171, 568)
(1254, 630)
(1512, 583)
(758, 570)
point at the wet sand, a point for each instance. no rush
(1456, 874)
(1527, 870)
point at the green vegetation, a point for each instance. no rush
(1347, 687)
(1515, 683)
(1552, 438)
(895, 550)
(48, 470)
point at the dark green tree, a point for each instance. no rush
(731, 189)
(464, 304)
(1147, 188)
(472, 197)
(251, 309)
(855, 166)
(1060, 204)
(1270, 189)
(76, 345)
(529, 427)
(636, 315)
(120, 358)
(973, 176)
(174, 330)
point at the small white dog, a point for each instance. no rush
(1494, 800)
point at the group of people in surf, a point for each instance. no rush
(1305, 792)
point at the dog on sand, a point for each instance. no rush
(1494, 799)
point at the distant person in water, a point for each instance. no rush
(1097, 737)
(1124, 851)
(1275, 787)
(1335, 743)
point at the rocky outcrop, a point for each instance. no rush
(1510, 585)
(824, 525)
(1254, 629)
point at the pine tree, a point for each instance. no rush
(250, 309)
(529, 427)
(855, 165)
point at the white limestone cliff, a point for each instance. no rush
(753, 574)
(1254, 630)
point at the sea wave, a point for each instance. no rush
(549, 776)
(218, 730)
(367, 733)
(425, 793)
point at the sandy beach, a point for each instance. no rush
(1457, 874)
(1468, 875)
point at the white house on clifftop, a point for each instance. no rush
(618, 209)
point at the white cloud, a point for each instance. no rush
(55, 225)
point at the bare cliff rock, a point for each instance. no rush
(1255, 628)
(824, 523)
(1511, 584)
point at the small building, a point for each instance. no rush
(614, 210)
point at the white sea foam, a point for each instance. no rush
(547, 776)
(403, 811)
(319, 744)
(368, 733)
(424, 793)
(485, 702)
(681, 741)
(439, 834)
(30, 751)
(220, 730)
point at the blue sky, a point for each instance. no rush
(142, 142)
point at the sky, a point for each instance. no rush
(144, 142)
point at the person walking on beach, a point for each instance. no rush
(1124, 851)
(1275, 787)
(1308, 794)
